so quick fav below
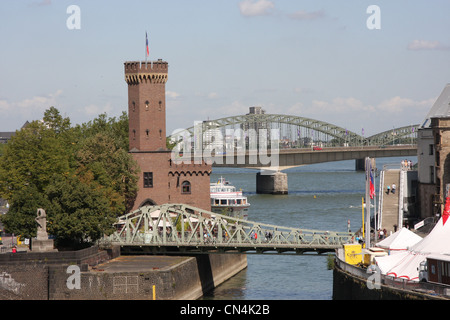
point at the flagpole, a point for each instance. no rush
(367, 228)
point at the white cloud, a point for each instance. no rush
(427, 45)
(95, 110)
(353, 112)
(339, 105)
(172, 94)
(251, 8)
(31, 106)
(304, 15)
(399, 105)
(212, 95)
(236, 107)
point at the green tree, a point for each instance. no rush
(78, 212)
(83, 176)
(20, 219)
(100, 159)
(30, 158)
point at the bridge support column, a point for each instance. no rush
(360, 164)
(271, 183)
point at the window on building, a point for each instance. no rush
(431, 174)
(431, 149)
(186, 187)
(146, 105)
(148, 179)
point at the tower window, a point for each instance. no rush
(148, 179)
(134, 134)
(147, 132)
(160, 103)
(134, 105)
(186, 187)
(146, 105)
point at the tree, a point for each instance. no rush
(83, 177)
(20, 218)
(30, 158)
(78, 213)
(100, 160)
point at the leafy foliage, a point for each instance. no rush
(83, 176)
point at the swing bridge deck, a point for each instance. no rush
(180, 228)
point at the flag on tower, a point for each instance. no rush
(146, 43)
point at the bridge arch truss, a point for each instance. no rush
(183, 228)
(295, 131)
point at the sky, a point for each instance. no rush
(330, 60)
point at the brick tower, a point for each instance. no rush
(161, 181)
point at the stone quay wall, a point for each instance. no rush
(46, 276)
(187, 280)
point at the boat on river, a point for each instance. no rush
(227, 200)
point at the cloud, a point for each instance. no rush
(95, 110)
(30, 106)
(250, 8)
(350, 111)
(304, 15)
(172, 94)
(427, 45)
(399, 105)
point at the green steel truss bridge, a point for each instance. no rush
(298, 132)
(180, 228)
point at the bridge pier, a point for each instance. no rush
(360, 164)
(271, 183)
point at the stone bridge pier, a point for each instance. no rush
(271, 182)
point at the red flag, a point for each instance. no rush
(446, 213)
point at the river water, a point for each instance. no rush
(322, 196)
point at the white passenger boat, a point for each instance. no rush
(226, 200)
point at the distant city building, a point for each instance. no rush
(433, 149)
(256, 125)
(6, 136)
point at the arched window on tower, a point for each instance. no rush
(186, 187)
(146, 105)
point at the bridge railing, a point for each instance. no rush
(185, 226)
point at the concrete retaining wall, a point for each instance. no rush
(26, 276)
(187, 280)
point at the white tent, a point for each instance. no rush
(405, 264)
(399, 241)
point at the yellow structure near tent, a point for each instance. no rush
(353, 253)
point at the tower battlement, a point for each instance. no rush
(138, 71)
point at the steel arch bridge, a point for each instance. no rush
(296, 128)
(182, 228)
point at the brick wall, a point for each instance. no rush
(168, 178)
